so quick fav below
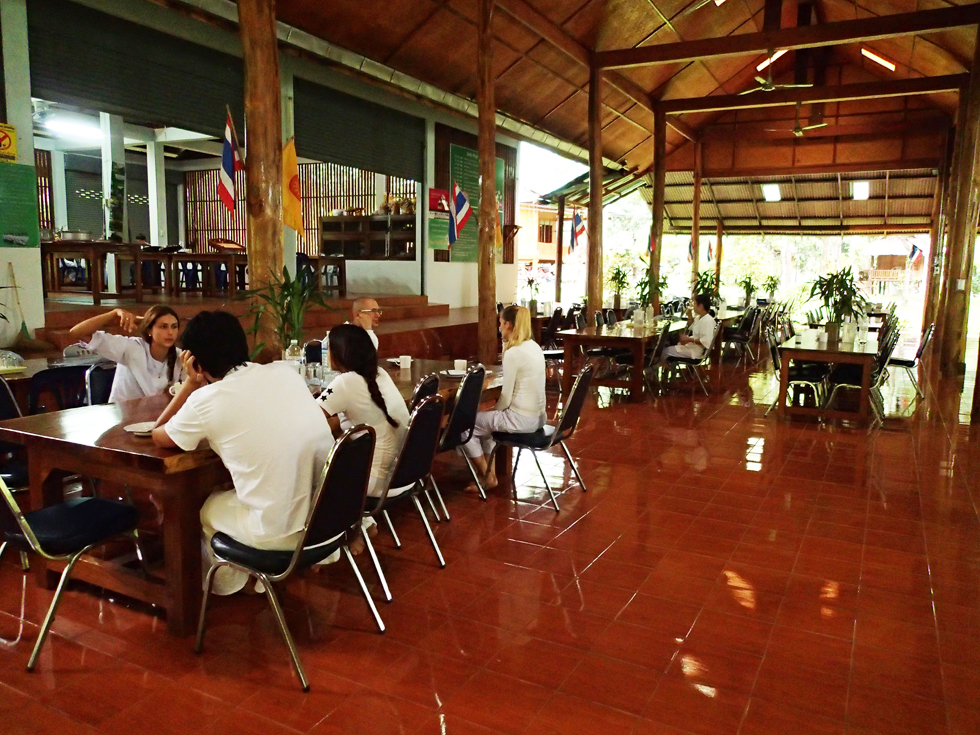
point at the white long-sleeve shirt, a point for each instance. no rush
(703, 330)
(524, 373)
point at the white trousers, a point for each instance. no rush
(224, 512)
(690, 350)
(487, 422)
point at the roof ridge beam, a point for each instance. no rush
(812, 36)
(806, 95)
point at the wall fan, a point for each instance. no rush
(797, 130)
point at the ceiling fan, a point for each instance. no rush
(766, 84)
(797, 130)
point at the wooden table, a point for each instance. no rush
(406, 380)
(319, 261)
(94, 253)
(834, 353)
(90, 441)
(621, 335)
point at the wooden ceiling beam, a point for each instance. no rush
(755, 128)
(808, 95)
(813, 36)
(825, 168)
(803, 230)
(539, 23)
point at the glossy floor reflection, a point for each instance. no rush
(726, 573)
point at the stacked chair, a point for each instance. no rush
(910, 365)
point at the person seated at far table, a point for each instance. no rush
(699, 334)
(264, 425)
(365, 313)
(521, 407)
(365, 394)
(147, 364)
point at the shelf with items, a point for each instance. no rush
(377, 237)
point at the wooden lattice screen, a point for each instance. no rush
(326, 187)
(45, 197)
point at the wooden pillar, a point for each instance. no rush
(975, 411)
(696, 216)
(954, 168)
(657, 208)
(720, 232)
(560, 254)
(963, 233)
(263, 153)
(487, 151)
(596, 175)
(934, 265)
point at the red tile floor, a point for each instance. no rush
(725, 573)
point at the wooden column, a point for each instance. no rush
(720, 232)
(560, 253)
(949, 207)
(657, 208)
(936, 232)
(696, 216)
(596, 175)
(487, 150)
(963, 233)
(263, 152)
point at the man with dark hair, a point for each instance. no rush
(264, 424)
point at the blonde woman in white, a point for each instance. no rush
(521, 407)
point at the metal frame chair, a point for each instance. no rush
(696, 364)
(462, 421)
(847, 380)
(313, 351)
(910, 365)
(808, 377)
(62, 532)
(427, 386)
(547, 437)
(329, 527)
(98, 383)
(412, 469)
(66, 383)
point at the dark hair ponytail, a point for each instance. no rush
(351, 346)
(705, 301)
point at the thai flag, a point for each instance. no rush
(231, 161)
(711, 253)
(690, 251)
(459, 212)
(578, 231)
(916, 255)
(653, 243)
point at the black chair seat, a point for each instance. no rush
(269, 562)
(807, 374)
(685, 360)
(14, 474)
(902, 362)
(738, 337)
(847, 374)
(540, 439)
(553, 354)
(71, 526)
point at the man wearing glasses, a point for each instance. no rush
(367, 314)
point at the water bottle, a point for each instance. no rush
(294, 352)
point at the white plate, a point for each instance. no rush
(453, 373)
(143, 428)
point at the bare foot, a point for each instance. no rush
(358, 545)
(489, 483)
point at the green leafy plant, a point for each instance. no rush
(531, 283)
(839, 295)
(705, 283)
(643, 294)
(748, 286)
(286, 300)
(770, 285)
(619, 279)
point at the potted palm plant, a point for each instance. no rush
(619, 280)
(532, 287)
(748, 286)
(841, 299)
(770, 285)
(643, 294)
(286, 300)
(705, 283)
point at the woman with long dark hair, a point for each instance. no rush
(147, 362)
(700, 332)
(365, 394)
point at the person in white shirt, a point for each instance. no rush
(365, 313)
(521, 407)
(700, 333)
(147, 364)
(365, 394)
(264, 425)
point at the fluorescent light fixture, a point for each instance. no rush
(869, 54)
(770, 193)
(860, 190)
(718, 2)
(73, 129)
(770, 59)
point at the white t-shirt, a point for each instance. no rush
(137, 373)
(348, 394)
(524, 374)
(703, 330)
(371, 334)
(270, 434)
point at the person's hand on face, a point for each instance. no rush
(193, 372)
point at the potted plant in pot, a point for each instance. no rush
(748, 286)
(619, 280)
(532, 288)
(705, 283)
(643, 293)
(841, 299)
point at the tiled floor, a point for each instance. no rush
(725, 573)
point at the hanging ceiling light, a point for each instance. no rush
(869, 54)
(73, 128)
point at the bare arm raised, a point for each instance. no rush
(128, 322)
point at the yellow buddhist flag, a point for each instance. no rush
(292, 203)
(498, 235)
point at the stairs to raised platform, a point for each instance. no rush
(63, 312)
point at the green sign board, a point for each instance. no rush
(18, 207)
(464, 169)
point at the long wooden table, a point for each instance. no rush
(90, 441)
(835, 352)
(94, 252)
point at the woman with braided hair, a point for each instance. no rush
(365, 394)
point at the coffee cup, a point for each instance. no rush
(405, 362)
(459, 365)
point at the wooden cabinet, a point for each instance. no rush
(380, 237)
